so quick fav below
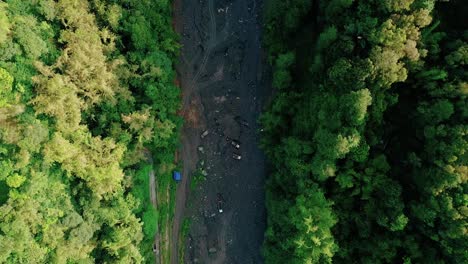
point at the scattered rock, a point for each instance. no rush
(219, 99)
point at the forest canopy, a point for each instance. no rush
(86, 89)
(367, 133)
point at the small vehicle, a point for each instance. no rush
(236, 156)
(219, 202)
(204, 134)
(155, 249)
(242, 121)
(177, 176)
(235, 144)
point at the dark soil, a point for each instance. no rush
(224, 85)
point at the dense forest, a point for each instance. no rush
(367, 131)
(86, 89)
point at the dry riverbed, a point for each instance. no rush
(222, 75)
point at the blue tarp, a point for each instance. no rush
(176, 175)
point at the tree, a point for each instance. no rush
(6, 84)
(334, 128)
(282, 78)
(4, 24)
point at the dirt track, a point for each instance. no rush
(223, 85)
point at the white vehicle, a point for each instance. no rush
(236, 156)
(204, 134)
(235, 144)
(220, 202)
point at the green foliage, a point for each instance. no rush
(314, 239)
(357, 103)
(334, 7)
(4, 189)
(197, 178)
(5, 26)
(74, 120)
(282, 78)
(282, 19)
(326, 38)
(371, 141)
(150, 220)
(6, 83)
(15, 180)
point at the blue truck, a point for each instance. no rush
(177, 176)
